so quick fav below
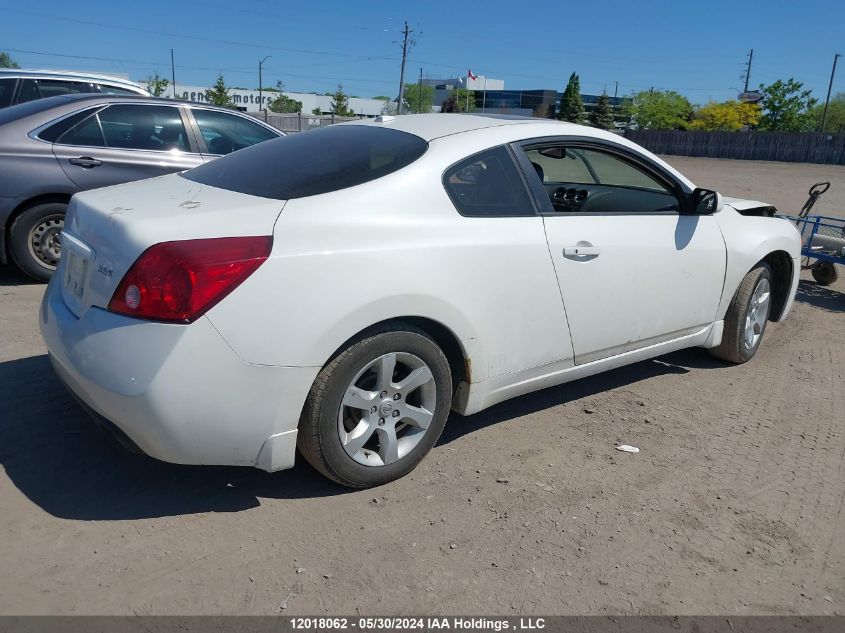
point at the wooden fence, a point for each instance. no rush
(298, 122)
(789, 147)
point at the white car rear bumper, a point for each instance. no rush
(178, 392)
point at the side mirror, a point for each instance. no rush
(705, 201)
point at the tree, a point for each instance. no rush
(602, 114)
(157, 85)
(786, 106)
(7, 62)
(835, 122)
(340, 103)
(317, 111)
(284, 103)
(218, 94)
(382, 98)
(389, 108)
(659, 110)
(571, 106)
(461, 100)
(419, 98)
(729, 116)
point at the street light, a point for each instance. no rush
(261, 83)
(829, 86)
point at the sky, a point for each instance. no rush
(696, 48)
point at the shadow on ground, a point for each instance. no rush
(11, 276)
(66, 465)
(820, 296)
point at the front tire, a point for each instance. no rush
(34, 239)
(747, 316)
(377, 408)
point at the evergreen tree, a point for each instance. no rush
(218, 94)
(571, 106)
(7, 62)
(602, 114)
(340, 103)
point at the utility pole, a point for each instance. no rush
(615, 91)
(406, 31)
(173, 74)
(829, 86)
(748, 69)
(419, 101)
(261, 84)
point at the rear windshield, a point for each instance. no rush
(314, 162)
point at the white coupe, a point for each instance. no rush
(340, 290)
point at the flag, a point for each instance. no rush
(470, 75)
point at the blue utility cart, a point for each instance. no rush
(822, 238)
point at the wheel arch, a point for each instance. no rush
(455, 352)
(43, 198)
(781, 266)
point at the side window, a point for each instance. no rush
(114, 90)
(553, 166)
(587, 180)
(488, 185)
(225, 133)
(53, 87)
(7, 87)
(144, 127)
(28, 91)
(611, 170)
(86, 133)
(32, 89)
(55, 131)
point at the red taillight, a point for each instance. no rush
(180, 281)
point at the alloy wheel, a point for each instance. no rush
(387, 409)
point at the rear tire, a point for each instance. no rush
(360, 426)
(747, 316)
(824, 272)
(34, 239)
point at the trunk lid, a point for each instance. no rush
(107, 229)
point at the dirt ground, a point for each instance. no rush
(733, 506)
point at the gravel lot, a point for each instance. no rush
(733, 506)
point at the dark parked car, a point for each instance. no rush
(55, 147)
(20, 86)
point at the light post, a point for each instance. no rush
(261, 83)
(829, 86)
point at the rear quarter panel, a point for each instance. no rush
(346, 260)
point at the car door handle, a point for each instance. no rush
(578, 252)
(86, 161)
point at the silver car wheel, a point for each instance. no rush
(44, 243)
(757, 314)
(387, 409)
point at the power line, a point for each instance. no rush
(197, 38)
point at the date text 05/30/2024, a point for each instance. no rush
(417, 624)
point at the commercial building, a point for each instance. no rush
(248, 100)
(495, 99)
